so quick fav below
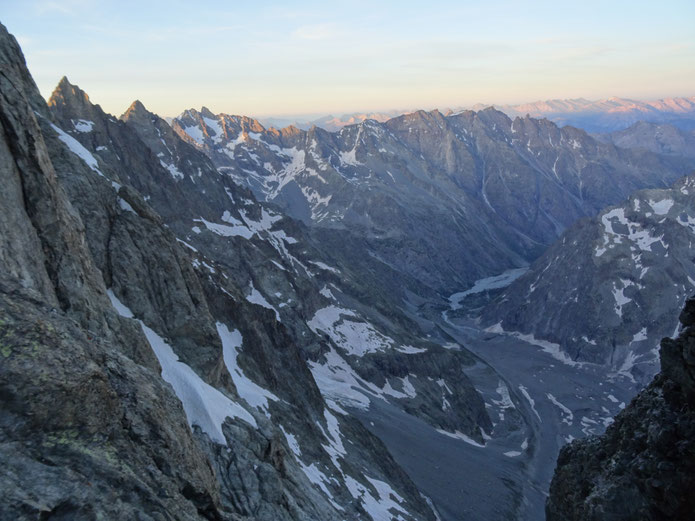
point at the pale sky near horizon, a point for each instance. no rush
(305, 58)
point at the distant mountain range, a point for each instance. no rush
(660, 138)
(600, 116)
(331, 123)
(611, 114)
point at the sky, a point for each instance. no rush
(306, 58)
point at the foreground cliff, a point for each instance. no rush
(643, 467)
(85, 429)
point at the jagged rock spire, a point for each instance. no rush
(207, 113)
(136, 110)
(68, 92)
(69, 96)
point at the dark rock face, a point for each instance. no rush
(643, 466)
(79, 416)
(87, 432)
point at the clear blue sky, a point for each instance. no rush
(279, 58)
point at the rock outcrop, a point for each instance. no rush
(86, 430)
(643, 467)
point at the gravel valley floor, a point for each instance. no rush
(537, 404)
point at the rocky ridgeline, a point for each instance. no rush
(643, 466)
(443, 199)
(611, 287)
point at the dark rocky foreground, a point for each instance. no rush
(76, 439)
(643, 467)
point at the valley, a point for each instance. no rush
(507, 477)
(404, 319)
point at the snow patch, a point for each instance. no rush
(568, 416)
(204, 405)
(83, 125)
(348, 332)
(175, 172)
(125, 205)
(498, 281)
(335, 448)
(324, 267)
(319, 479)
(628, 363)
(661, 207)
(214, 125)
(76, 148)
(524, 391)
(461, 436)
(251, 392)
(256, 297)
(195, 133)
(636, 233)
(349, 158)
(226, 231)
(327, 293)
(641, 335)
(292, 442)
(410, 350)
(619, 296)
(339, 383)
(548, 347)
(378, 507)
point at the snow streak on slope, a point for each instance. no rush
(341, 385)
(256, 297)
(549, 347)
(77, 149)
(254, 394)
(204, 405)
(379, 507)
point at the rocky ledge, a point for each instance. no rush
(643, 467)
